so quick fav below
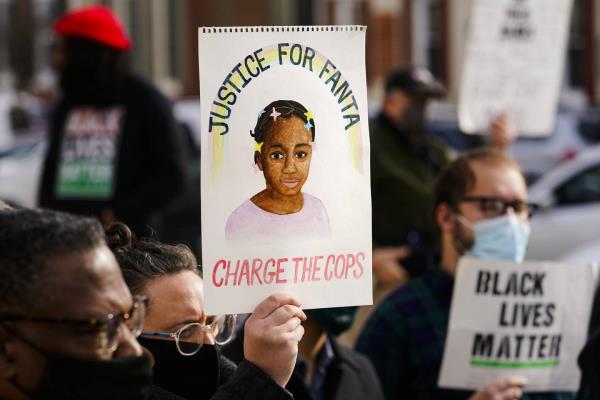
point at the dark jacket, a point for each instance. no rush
(589, 363)
(403, 173)
(149, 171)
(247, 383)
(589, 358)
(350, 376)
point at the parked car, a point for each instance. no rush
(569, 219)
(187, 111)
(22, 118)
(20, 169)
(589, 252)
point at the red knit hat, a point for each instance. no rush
(95, 23)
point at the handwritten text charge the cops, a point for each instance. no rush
(271, 271)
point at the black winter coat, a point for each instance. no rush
(149, 169)
(350, 376)
(247, 383)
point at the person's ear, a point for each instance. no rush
(8, 368)
(258, 160)
(444, 217)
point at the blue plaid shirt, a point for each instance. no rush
(405, 338)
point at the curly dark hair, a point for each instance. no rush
(146, 259)
(287, 109)
(28, 239)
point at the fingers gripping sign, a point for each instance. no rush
(272, 334)
(502, 131)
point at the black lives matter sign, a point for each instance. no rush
(512, 319)
(522, 307)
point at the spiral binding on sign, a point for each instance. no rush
(320, 28)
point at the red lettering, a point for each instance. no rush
(340, 262)
(229, 273)
(296, 261)
(360, 257)
(220, 263)
(350, 262)
(244, 272)
(280, 270)
(270, 275)
(258, 271)
(315, 268)
(256, 265)
(306, 270)
(328, 273)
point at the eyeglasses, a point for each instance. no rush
(106, 327)
(494, 206)
(190, 338)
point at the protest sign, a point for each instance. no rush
(88, 155)
(513, 63)
(285, 166)
(509, 319)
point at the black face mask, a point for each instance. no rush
(413, 120)
(68, 378)
(193, 377)
(334, 320)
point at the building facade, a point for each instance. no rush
(164, 32)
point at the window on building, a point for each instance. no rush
(429, 35)
(576, 50)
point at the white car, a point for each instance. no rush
(187, 111)
(568, 224)
(20, 169)
(589, 252)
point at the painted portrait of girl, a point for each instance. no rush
(283, 145)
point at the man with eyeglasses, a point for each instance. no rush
(481, 210)
(68, 323)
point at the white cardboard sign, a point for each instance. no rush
(514, 63)
(286, 203)
(509, 319)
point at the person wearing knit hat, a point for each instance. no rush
(114, 151)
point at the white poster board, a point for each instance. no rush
(513, 63)
(509, 319)
(283, 117)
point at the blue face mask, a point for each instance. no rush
(500, 238)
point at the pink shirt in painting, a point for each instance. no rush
(251, 223)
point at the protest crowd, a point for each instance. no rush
(93, 305)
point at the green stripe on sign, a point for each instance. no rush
(515, 364)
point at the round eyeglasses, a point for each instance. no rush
(190, 337)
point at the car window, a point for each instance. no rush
(581, 189)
